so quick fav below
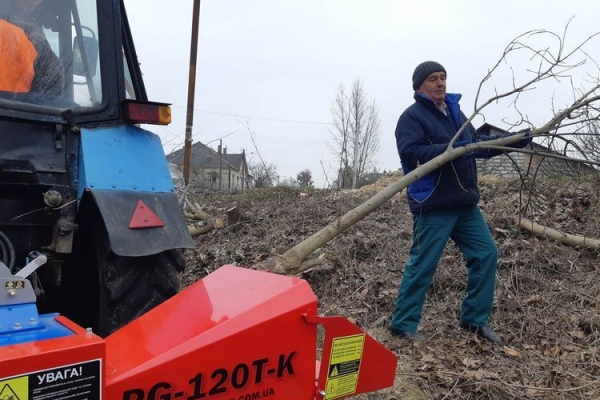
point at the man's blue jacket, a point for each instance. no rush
(423, 133)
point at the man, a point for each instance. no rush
(444, 206)
(29, 69)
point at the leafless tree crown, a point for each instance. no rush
(355, 134)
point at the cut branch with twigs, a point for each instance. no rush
(198, 214)
(551, 66)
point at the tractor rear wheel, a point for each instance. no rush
(111, 290)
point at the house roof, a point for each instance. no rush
(236, 160)
(203, 156)
(487, 129)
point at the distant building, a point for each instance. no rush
(529, 164)
(214, 170)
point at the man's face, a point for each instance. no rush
(434, 86)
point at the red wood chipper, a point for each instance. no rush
(236, 334)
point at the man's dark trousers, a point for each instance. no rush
(431, 231)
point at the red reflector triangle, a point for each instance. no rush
(144, 217)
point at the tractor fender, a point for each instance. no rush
(119, 208)
(124, 170)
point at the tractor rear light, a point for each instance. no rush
(144, 112)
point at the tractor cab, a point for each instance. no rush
(80, 180)
(68, 56)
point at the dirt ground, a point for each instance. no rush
(547, 304)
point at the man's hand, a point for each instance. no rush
(527, 138)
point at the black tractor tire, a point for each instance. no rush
(107, 290)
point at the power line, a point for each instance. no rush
(296, 147)
(260, 118)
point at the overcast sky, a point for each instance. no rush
(275, 65)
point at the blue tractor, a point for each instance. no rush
(81, 182)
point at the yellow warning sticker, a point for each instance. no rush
(15, 389)
(344, 366)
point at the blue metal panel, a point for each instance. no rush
(21, 324)
(124, 157)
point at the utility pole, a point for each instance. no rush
(220, 162)
(191, 93)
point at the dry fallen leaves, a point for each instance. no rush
(547, 294)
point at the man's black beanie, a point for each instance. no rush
(423, 70)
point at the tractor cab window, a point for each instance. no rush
(129, 87)
(49, 52)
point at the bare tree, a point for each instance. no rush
(264, 174)
(356, 134)
(288, 181)
(588, 140)
(341, 135)
(551, 63)
(304, 178)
